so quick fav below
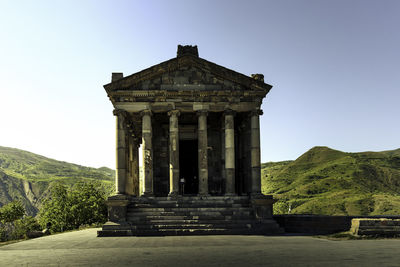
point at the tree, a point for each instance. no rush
(11, 212)
(66, 209)
(87, 204)
(55, 209)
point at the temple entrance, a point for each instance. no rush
(188, 166)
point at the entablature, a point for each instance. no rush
(186, 96)
(160, 107)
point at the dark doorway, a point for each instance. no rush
(188, 166)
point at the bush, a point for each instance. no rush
(24, 226)
(11, 212)
(12, 225)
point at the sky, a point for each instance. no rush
(334, 67)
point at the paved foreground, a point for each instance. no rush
(83, 248)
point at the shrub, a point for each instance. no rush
(9, 214)
(24, 226)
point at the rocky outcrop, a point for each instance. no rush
(12, 189)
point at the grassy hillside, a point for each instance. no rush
(26, 176)
(331, 182)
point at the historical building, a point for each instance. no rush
(197, 126)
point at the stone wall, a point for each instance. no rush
(375, 227)
(318, 224)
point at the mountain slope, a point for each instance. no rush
(26, 176)
(331, 182)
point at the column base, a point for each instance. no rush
(257, 195)
(173, 195)
(116, 206)
(147, 194)
(263, 207)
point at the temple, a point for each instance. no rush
(197, 126)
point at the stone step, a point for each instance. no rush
(210, 215)
(192, 226)
(204, 231)
(177, 221)
(193, 212)
(192, 198)
(188, 209)
(188, 205)
(267, 227)
(383, 227)
(186, 217)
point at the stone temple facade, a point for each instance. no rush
(197, 126)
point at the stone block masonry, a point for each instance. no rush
(375, 227)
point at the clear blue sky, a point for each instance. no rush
(334, 65)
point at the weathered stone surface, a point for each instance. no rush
(192, 216)
(147, 137)
(121, 151)
(229, 152)
(117, 208)
(378, 227)
(202, 148)
(173, 152)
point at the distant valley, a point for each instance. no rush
(26, 176)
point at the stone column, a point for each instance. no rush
(129, 174)
(173, 153)
(135, 169)
(229, 152)
(255, 153)
(147, 137)
(134, 166)
(202, 152)
(120, 177)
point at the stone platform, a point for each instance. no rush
(83, 248)
(163, 216)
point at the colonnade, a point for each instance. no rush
(123, 184)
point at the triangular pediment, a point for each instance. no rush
(187, 73)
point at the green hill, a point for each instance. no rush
(26, 176)
(321, 181)
(331, 182)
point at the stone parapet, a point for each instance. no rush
(376, 227)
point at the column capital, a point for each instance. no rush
(119, 112)
(146, 112)
(174, 112)
(256, 112)
(202, 112)
(229, 112)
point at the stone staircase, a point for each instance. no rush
(163, 216)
